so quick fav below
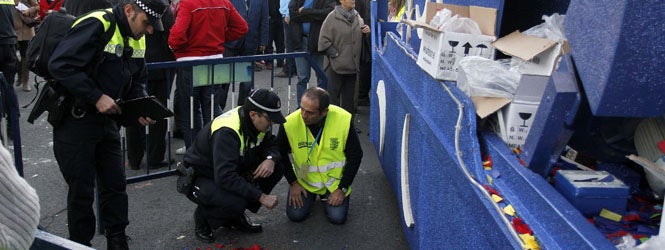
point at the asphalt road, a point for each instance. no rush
(161, 218)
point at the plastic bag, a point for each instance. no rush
(551, 29)
(444, 20)
(480, 76)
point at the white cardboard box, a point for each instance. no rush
(533, 55)
(516, 118)
(440, 52)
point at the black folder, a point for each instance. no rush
(147, 106)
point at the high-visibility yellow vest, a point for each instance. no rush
(231, 119)
(320, 170)
(7, 2)
(116, 43)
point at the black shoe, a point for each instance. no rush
(244, 225)
(162, 164)
(202, 230)
(117, 241)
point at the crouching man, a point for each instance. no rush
(234, 158)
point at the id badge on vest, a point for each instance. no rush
(303, 170)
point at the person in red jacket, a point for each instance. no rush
(47, 6)
(200, 30)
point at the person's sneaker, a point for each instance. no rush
(181, 151)
(282, 74)
(26, 87)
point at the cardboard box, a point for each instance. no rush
(440, 52)
(516, 118)
(591, 191)
(533, 55)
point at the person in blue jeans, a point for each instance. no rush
(326, 155)
(306, 18)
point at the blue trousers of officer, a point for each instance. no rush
(88, 151)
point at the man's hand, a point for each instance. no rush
(262, 48)
(287, 20)
(145, 121)
(336, 198)
(106, 105)
(294, 195)
(265, 169)
(268, 201)
(365, 29)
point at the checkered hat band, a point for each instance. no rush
(148, 10)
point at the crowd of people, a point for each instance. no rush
(235, 155)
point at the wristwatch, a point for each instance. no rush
(269, 157)
(344, 190)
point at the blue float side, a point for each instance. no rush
(551, 128)
(618, 50)
(448, 210)
(556, 224)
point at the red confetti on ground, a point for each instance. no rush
(521, 227)
(491, 190)
(217, 245)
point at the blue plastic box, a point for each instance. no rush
(591, 191)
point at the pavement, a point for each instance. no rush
(161, 218)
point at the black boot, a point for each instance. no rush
(201, 228)
(243, 224)
(116, 240)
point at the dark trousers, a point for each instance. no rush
(87, 151)
(341, 89)
(8, 62)
(136, 139)
(276, 36)
(198, 108)
(364, 80)
(243, 88)
(221, 207)
(289, 64)
(22, 65)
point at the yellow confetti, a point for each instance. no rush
(489, 179)
(181, 237)
(496, 198)
(607, 214)
(509, 210)
(530, 241)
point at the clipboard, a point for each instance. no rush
(147, 106)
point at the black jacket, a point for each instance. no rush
(314, 16)
(216, 155)
(7, 33)
(80, 7)
(157, 47)
(119, 77)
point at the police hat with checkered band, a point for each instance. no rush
(154, 9)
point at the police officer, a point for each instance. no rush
(94, 74)
(326, 157)
(234, 159)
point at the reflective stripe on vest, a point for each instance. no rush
(231, 119)
(11, 2)
(116, 42)
(327, 159)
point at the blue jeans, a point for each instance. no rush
(336, 215)
(304, 70)
(201, 105)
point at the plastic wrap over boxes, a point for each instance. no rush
(592, 191)
(618, 49)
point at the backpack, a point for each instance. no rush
(51, 31)
(47, 38)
